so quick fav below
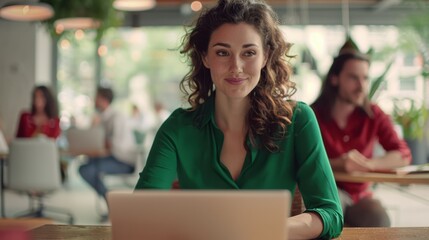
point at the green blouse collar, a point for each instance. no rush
(205, 112)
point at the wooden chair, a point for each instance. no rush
(297, 203)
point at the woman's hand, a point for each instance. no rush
(304, 226)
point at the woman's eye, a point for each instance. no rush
(221, 53)
(249, 53)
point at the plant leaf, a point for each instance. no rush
(375, 85)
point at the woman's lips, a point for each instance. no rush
(235, 81)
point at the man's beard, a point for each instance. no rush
(358, 102)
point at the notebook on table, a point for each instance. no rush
(83, 141)
(411, 169)
(197, 215)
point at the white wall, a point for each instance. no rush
(18, 74)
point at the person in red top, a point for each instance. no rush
(351, 126)
(43, 118)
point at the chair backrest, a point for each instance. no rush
(298, 206)
(33, 165)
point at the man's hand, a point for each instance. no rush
(354, 161)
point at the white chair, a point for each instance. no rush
(33, 168)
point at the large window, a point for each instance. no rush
(144, 67)
(407, 83)
(76, 77)
(141, 65)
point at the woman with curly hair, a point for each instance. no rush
(242, 131)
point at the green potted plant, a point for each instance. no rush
(101, 10)
(412, 117)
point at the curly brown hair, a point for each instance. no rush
(270, 112)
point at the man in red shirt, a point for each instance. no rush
(351, 125)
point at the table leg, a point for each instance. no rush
(1, 188)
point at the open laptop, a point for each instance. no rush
(198, 215)
(82, 141)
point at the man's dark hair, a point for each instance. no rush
(105, 93)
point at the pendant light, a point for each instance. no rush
(26, 11)
(134, 5)
(74, 23)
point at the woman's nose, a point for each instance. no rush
(236, 64)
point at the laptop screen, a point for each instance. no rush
(82, 141)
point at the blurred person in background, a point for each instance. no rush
(351, 126)
(120, 155)
(42, 119)
(136, 116)
(161, 113)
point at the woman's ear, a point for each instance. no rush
(205, 62)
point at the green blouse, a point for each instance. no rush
(188, 146)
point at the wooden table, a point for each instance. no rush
(411, 233)
(75, 232)
(417, 178)
(24, 223)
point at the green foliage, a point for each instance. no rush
(411, 116)
(377, 82)
(425, 72)
(415, 33)
(418, 22)
(415, 38)
(98, 9)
